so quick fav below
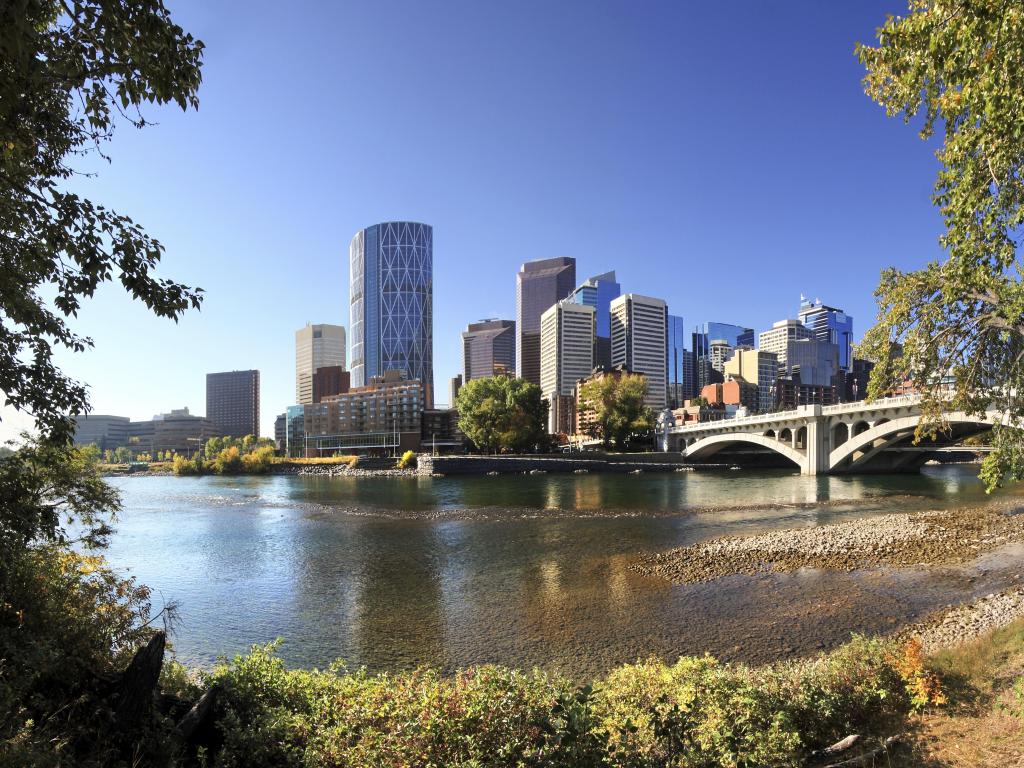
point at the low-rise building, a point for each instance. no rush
(281, 432)
(440, 431)
(105, 432)
(384, 416)
(733, 391)
(757, 367)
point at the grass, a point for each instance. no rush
(983, 722)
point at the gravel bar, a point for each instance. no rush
(921, 538)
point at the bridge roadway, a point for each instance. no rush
(830, 439)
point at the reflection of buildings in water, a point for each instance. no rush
(618, 582)
(587, 493)
(398, 621)
(550, 580)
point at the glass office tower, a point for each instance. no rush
(539, 286)
(391, 300)
(599, 292)
(832, 325)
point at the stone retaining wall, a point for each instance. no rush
(481, 465)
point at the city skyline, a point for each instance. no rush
(831, 191)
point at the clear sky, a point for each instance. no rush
(721, 156)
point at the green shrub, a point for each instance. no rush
(696, 712)
(408, 460)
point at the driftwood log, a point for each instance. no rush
(868, 758)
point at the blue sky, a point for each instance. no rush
(719, 155)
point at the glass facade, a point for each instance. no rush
(736, 336)
(391, 294)
(599, 292)
(831, 325)
(680, 365)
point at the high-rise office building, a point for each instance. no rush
(736, 336)
(599, 292)
(316, 346)
(566, 356)
(831, 325)
(330, 380)
(539, 285)
(233, 403)
(719, 352)
(680, 364)
(640, 342)
(391, 300)
(777, 339)
(489, 349)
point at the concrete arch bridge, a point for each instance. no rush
(832, 439)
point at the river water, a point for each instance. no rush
(391, 573)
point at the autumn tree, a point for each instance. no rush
(502, 413)
(616, 409)
(956, 326)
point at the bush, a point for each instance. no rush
(696, 712)
(194, 466)
(408, 460)
(67, 623)
(257, 462)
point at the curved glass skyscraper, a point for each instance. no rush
(391, 304)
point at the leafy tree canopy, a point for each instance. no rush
(69, 71)
(956, 326)
(502, 413)
(617, 408)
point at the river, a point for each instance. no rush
(395, 572)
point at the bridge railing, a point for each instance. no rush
(861, 405)
(761, 418)
(765, 418)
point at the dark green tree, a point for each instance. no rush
(70, 71)
(501, 413)
(956, 326)
(616, 408)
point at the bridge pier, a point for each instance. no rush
(818, 441)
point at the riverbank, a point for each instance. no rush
(921, 538)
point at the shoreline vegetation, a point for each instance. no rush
(873, 698)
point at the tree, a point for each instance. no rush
(45, 483)
(617, 408)
(958, 66)
(69, 69)
(501, 413)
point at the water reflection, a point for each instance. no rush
(251, 559)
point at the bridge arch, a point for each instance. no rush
(708, 446)
(888, 432)
(786, 435)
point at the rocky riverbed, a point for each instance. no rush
(962, 623)
(923, 538)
